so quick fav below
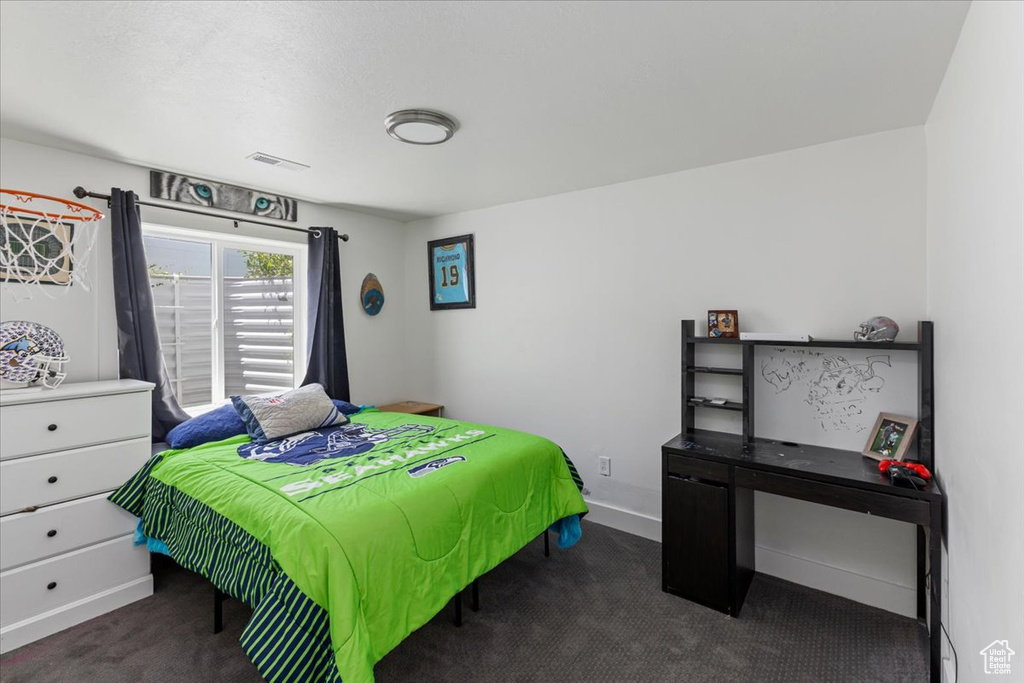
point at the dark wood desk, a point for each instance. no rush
(709, 479)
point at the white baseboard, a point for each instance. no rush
(868, 590)
(41, 625)
(624, 520)
(948, 671)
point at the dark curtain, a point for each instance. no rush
(327, 361)
(138, 344)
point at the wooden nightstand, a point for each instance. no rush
(414, 408)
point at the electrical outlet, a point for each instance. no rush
(604, 466)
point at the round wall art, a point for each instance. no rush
(371, 294)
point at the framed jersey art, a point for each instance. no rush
(452, 271)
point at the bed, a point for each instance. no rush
(345, 540)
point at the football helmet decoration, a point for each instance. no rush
(877, 329)
(31, 353)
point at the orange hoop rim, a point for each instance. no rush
(91, 213)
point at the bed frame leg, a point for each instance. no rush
(458, 609)
(547, 546)
(476, 596)
(218, 610)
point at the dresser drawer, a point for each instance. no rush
(43, 479)
(31, 536)
(43, 586)
(59, 425)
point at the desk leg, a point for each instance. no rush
(935, 586)
(922, 575)
(218, 610)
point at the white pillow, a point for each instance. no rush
(268, 418)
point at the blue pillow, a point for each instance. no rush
(219, 423)
(346, 407)
(222, 423)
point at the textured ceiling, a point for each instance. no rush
(551, 97)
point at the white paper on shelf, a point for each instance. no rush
(775, 336)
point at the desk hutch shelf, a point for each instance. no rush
(690, 370)
(709, 478)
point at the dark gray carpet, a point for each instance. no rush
(593, 613)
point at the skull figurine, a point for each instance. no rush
(877, 329)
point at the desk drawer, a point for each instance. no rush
(31, 536)
(75, 423)
(859, 500)
(682, 467)
(55, 477)
(43, 586)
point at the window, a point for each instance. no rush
(225, 311)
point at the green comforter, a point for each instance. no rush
(347, 542)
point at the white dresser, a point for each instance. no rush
(66, 552)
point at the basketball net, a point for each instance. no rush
(45, 241)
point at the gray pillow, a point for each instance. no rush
(268, 418)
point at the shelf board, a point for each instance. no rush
(716, 371)
(839, 344)
(816, 343)
(716, 340)
(729, 405)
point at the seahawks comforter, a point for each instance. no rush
(347, 539)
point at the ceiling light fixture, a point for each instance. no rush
(420, 126)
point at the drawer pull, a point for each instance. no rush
(690, 479)
(52, 480)
(51, 533)
(50, 586)
(52, 427)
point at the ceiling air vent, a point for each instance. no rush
(270, 160)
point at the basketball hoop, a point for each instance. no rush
(45, 240)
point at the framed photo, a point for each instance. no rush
(891, 437)
(452, 273)
(38, 251)
(723, 325)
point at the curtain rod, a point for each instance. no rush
(82, 193)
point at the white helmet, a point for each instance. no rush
(30, 353)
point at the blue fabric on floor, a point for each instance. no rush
(568, 530)
(152, 544)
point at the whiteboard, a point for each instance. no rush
(830, 397)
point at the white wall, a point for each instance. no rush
(579, 297)
(976, 297)
(86, 319)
